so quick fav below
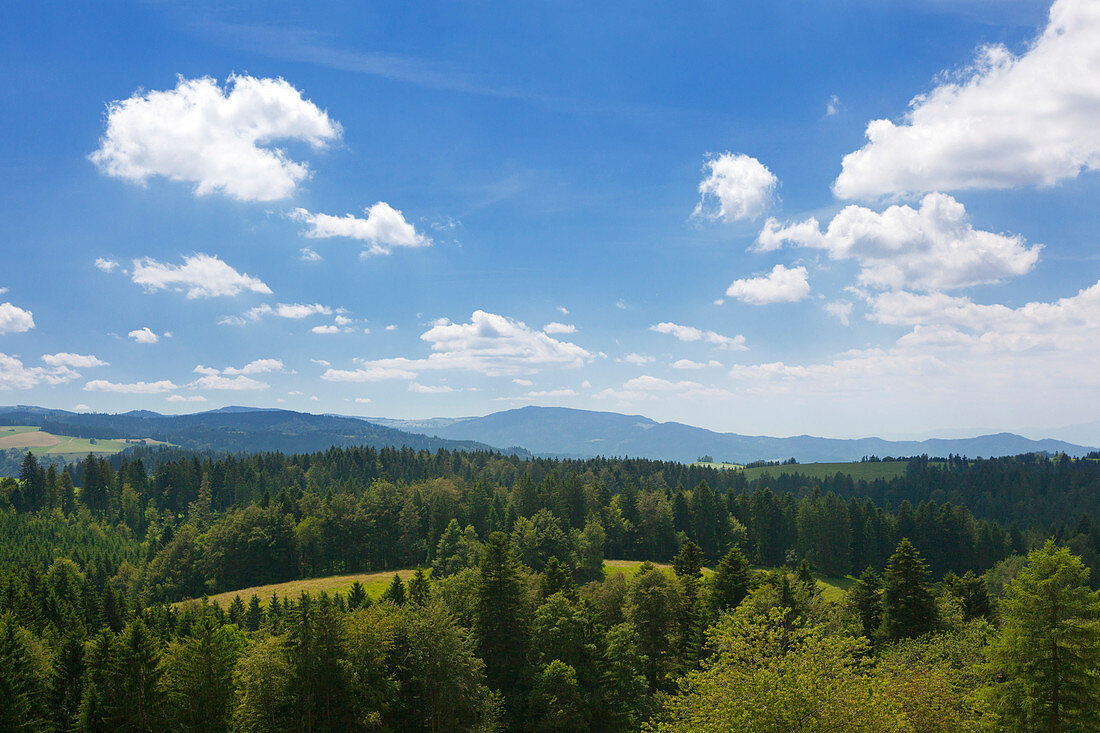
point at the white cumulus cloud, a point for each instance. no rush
(555, 327)
(14, 319)
(158, 387)
(181, 398)
(736, 187)
(238, 383)
(781, 285)
(219, 139)
(384, 228)
(76, 361)
(15, 375)
(489, 344)
(1008, 120)
(201, 275)
(934, 247)
(105, 264)
(689, 364)
(144, 335)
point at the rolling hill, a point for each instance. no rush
(232, 430)
(559, 431)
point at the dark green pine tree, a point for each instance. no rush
(908, 608)
(66, 683)
(111, 610)
(688, 566)
(94, 491)
(198, 677)
(32, 481)
(501, 623)
(135, 700)
(22, 697)
(320, 675)
(730, 583)
(274, 613)
(95, 699)
(556, 578)
(420, 589)
(67, 493)
(865, 598)
(357, 596)
(237, 612)
(395, 592)
(254, 616)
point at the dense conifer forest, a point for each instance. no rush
(510, 622)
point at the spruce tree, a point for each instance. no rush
(66, 680)
(135, 697)
(22, 699)
(501, 625)
(908, 608)
(198, 677)
(730, 583)
(1048, 651)
(865, 598)
(556, 578)
(253, 617)
(395, 592)
(357, 596)
(419, 590)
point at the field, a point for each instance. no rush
(865, 471)
(39, 442)
(832, 589)
(719, 466)
(373, 583)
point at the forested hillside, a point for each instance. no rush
(232, 430)
(510, 623)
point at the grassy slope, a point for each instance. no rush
(719, 466)
(832, 589)
(865, 471)
(65, 445)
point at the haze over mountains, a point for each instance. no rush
(583, 433)
(548, 431)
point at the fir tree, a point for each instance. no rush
(198, 677)
(501, 624)
(730, 583)
(395, 592)
(357, 596)
(865, 598)
(22, 699)
(420, 589)
(1048, 651)
(66, 680)
(253, 617)
(908, 608)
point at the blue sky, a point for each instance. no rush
(831, 218)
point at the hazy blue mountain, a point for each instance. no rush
(233, 429)
(583, 433)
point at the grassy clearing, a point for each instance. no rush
(39, 442)
(719, 466)
(832, 589)
(858, 471)
(373, 583)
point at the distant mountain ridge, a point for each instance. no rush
(545, 431)
(567, 432)
(233, 429)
